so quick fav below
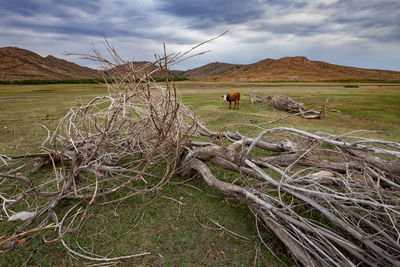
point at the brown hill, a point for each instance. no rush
(211, 70)
(302, 69)
(21, 64)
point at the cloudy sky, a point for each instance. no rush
(361, 33)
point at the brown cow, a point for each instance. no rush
(232, 97)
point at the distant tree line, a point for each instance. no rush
(174, 78)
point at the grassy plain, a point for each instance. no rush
(171, 232)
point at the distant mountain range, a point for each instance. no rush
(21, 64)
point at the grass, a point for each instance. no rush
(372, 107)
(154, 222)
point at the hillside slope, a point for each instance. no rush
(302, 69)
(21, 64)
(211, 70)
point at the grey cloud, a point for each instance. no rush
(360, 16)
(56, 8)
(208, 13)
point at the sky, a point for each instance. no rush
(360, 33)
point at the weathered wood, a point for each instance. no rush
(357, 190)
(286, 103)
(247, 197)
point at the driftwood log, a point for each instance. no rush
(352, 191)
(286, 103)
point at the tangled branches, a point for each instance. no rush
(328, 213)
(98, 149)
(286, 103)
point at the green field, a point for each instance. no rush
(173, 233)
(372, 107)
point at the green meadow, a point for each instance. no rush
(183, 234)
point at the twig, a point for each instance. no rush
(229, 231)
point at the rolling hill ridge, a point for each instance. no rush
(288, 69)
(19, 64)
(211, 70)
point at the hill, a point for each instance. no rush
(20, 64)
(303, 69)
(211, 70)
(289, 69)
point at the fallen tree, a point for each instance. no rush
(359, 200)
(332, 200)
(96, 150)
(286, 103)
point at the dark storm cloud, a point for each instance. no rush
(98, 18)
(65, 17)
(378, 20)
(25, 8)
(56, 8)
(206, 13)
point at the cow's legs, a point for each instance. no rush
(230, 105)
(237, 103)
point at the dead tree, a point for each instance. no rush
(356, 191)
(286, 103)
(97, 149)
